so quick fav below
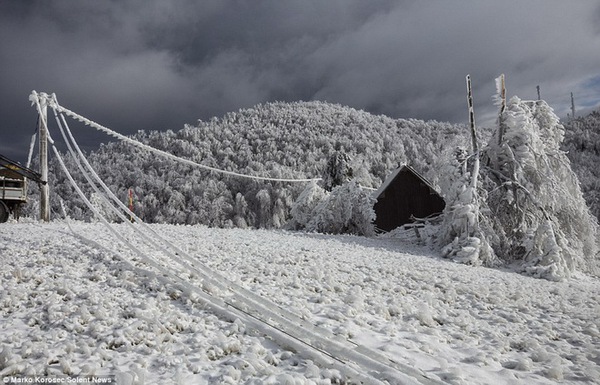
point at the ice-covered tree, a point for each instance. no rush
(347, 209)
(303, 208)
(337, 171)
(528, 206)
(241, 210)
(582, 144)
(535, 198)
(462, 236)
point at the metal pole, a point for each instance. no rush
(44, 188)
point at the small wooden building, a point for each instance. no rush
(13, 187)
(403, 195)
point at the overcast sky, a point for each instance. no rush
(156, 64)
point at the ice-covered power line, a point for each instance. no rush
(288, 329)
(51, 101)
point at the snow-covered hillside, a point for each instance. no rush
(582, 143)
(277, 140)
(72, 306)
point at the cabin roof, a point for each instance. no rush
(393, 176)
(403, 196)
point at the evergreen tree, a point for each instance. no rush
(337, 170)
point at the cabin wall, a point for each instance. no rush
(406, 195)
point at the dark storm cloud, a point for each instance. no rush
(413, 61)
(150, 64)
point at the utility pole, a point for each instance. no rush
(44, 188)
(572, 107)
(475, 172)
(501, 88)
(471, 115)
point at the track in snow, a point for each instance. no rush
(229, 300)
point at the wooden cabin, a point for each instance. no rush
(405, 194)
(13, 187)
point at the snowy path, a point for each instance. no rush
(69, 307)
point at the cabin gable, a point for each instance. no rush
(405, 194)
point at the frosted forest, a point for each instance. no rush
(528, 197)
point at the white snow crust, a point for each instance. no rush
(74, 307)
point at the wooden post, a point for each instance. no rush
(475, 155)
(502, 91)
(44, 188)
(471, 115)
(538, 92)
(572, 107)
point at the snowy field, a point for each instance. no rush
(76, 307)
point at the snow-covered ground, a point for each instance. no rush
(70, 306)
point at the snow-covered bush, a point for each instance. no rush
(241, 211)
(264, 209)
(103, 208)
(302, 210)
(347, 209)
